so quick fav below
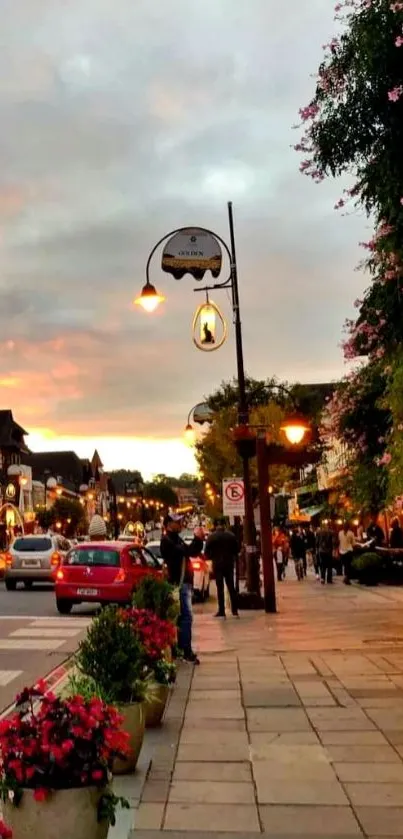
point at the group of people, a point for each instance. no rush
(323, 546)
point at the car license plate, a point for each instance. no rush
(87, 592)
(31, 563)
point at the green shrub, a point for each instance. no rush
(113, 657)
(158, 596)
(81, 685)
(368, 568)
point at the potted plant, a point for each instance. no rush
(5, 831)
(112, 655)
(367, 568)
(157, 637)
(157, 595)
(56, 759)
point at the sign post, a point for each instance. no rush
(233, 495)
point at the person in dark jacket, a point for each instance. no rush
(176, 555)
(396, 534)
(325, 545)
(222, 548)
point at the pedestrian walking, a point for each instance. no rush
(325, 553)
(298, 550)
(375, 533)
(222, 549)
(346, 551)
(280, 552)
(176, 555)
(311, 546)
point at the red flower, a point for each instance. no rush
(41, 794)
(97, 775)
(5, 832)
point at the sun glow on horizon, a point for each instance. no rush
(151, 456)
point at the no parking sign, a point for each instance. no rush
(233, 495)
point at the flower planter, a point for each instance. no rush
(154, 709)
(134, 723)
(66, 814)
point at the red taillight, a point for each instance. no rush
(120, 576)
(9, 559)
(55, 558)
(196, 564)
(59, 574)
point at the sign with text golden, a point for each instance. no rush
(192, 251)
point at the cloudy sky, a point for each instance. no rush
(121, 121)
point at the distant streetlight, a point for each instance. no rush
(201, 413)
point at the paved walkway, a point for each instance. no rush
(293, 724)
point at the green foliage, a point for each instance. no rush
(159, 597)
(62, 510)
(161, 492)
(112, 656)
(79, 684)
(107, 806)
(368, 568)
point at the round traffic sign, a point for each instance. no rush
(234, 491)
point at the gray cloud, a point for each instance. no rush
(119, 123)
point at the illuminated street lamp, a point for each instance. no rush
(195, 251)
(201, 413)
(296, 429)
(149, 299)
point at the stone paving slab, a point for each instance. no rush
(381, 773)
(234, 818)
(309, 821)
(211, 792)
(381, 821)
(264, 697)
(339, 719)
(375, 794)
(362, 754)
(277, 719)
(295, 791)
(213, 772)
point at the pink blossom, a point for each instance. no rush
(399, 41)
(384, 460)
(396, 7)
(395, 94)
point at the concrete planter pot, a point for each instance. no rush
(154, 709)
(134, 723)
(66, 814)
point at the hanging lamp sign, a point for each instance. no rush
(192, 251)
(209, 327)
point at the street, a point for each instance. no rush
(34, 639)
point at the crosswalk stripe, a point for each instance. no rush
(55, 632)
(31, 643)
(7, 676)
(81, 623)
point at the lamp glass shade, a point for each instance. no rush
(190, 435)
(149, 298)
(295, 429)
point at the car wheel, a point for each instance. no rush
(64, 606)
(28, 584)
(11, 585)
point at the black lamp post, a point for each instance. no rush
(149, 299)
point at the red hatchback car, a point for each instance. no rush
(102, 572)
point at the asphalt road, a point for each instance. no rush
(34, 638)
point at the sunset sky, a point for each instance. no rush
(121, 121)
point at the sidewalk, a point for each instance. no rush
(292, 725)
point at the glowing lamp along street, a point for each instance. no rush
(149, 298)
(190, 434)
(295, 429)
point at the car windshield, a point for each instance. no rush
(25, 545)
(155, 549)
(93, 556)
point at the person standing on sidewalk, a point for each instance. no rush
(222, 549)
(325, 553)
(346, 551)
(298, 550)
(176, 555)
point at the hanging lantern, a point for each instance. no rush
(209, 327)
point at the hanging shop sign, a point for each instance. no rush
(209, 327)
(192, 251)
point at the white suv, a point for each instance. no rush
(34, 559)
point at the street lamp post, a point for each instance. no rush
(149, 299)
